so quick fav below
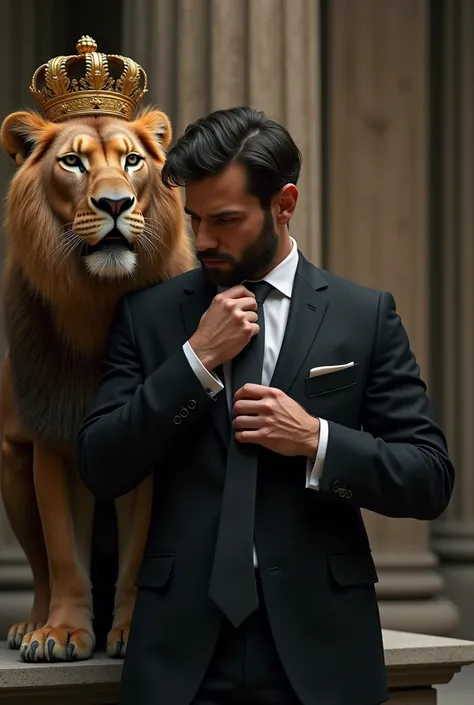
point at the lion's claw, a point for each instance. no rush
(59, 644)
(117, 642)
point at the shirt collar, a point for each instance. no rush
(283, 276)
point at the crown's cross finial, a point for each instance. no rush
(86, 45)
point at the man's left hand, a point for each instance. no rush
(268, 417)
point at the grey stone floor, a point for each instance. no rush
(461, 689)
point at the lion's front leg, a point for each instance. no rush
(20, 505)
(19, 500)
(67, 634)
(133, 519)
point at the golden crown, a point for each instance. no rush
(75, 86)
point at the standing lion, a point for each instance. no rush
(88, 220)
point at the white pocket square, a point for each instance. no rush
(318, 371)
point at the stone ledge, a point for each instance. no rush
(408, 649)
(415, 663)
(59, 695)
(92, 682)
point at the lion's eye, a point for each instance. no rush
(132, 160)
(73, 161)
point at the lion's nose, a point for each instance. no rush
(112, 206)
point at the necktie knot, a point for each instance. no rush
(261, 289)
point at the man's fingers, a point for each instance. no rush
(254, 436)
(247, 422)
(252, 391)
(247, 303)
(247, 407)
(242, 303)
(238, 292)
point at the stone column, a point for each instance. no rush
(376, 180)
(201, 55)
(18, 66)
(454, 325)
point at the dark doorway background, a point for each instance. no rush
(101, 19)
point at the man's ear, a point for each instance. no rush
(287, 199)
(21, 132)
(155, 123)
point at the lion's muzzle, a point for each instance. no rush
(109, 230)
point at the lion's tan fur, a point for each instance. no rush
(46, 284)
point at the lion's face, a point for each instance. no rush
(88, 197)
(102, 176)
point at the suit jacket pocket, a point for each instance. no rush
(332, 381)
(352, 569)
(155, 571)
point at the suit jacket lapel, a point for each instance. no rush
(197, 298)
(307, 310)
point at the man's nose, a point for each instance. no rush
(204, 240)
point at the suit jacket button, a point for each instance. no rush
(191, 404)
(177, 420)
(348, 494)
(336, 486)
(184, 413)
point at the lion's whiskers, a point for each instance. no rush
(68, 242)
(153, 228)
(148, 239)
(151, 243)
(148, 247)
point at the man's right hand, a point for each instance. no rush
(226, 327)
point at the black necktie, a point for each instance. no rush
(232, 585)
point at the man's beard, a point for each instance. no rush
(255, 260)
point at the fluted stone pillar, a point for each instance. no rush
(201, 55)
(376, 180)
(17, 18)
(454, 339)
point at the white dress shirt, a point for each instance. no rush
(276, 308)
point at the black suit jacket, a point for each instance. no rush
(385, 453)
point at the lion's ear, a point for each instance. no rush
(155, 123)
(21, 132)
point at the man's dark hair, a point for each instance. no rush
(241, 135)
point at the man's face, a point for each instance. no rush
(235, 238)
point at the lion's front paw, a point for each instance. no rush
(58, 644)
(18, 631)
(117, 641)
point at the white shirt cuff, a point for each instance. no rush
(209, 380)
(314, 470)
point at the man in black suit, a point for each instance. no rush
(272, 401)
